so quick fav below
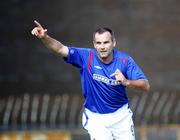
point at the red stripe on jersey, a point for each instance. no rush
(123, 59)
(89, 61)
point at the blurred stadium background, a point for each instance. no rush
(40, 95)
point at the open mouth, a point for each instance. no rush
(103, 51)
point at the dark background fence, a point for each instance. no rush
(64, 111)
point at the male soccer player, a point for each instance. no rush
(105, 73)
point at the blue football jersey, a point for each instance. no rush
(102, 93)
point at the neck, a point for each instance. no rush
(108, 59)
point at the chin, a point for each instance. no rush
(103, 56)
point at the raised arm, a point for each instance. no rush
(48, 41)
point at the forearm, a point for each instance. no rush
(54, 45)
(137, 84)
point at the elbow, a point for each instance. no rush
(147, 86)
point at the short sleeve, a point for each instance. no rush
(77, 56)
(134, 72)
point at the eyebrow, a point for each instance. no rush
(102, 42)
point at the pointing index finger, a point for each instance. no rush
(37, 23)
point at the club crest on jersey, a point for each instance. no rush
(71, 51)
(106, 80)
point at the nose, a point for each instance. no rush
(102, 46)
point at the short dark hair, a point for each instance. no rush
(102, 30)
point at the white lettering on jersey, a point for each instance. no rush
(106, 80)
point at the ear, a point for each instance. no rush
(94, 43)
(114, 42)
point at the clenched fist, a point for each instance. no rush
(120, 77)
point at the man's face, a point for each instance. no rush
(104, 44)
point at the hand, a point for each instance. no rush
(120, 77)
(39, 31)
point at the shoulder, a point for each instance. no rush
(122, 55)
(70, 47)
(83, 52)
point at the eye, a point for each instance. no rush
(106, 42)
(98, 43)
